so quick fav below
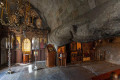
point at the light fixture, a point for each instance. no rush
(9, 56)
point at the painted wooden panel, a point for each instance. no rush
(51, 56)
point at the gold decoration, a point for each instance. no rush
(38, 23)
(13, 19)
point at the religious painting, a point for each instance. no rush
(50, 48)
(73, 46)
(7, 43)
(61, 49)
(13, 19)
(43, 42)
(78, 46)
(18, 42)
(35, 53)
(35, 43)
(38, 23)
(87, 53)
(3, 43)
(26, 45)
(12, 41)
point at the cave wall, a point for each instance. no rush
(60, 12)
(111, 48)
(80, 20)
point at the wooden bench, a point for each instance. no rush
(105, 76)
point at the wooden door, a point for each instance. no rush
(26, 58)
(51, 56)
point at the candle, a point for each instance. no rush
(2, 14)
(32, 19)
(9, 41)
(29, 4)
(8, 9)
(20, 2)
(6, 5)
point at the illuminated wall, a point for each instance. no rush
(26, 46)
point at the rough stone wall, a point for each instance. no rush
(99, 2)
(80, 20)
(59, 12)
(100, 22)
(112, 50)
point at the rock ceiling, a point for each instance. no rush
(79, 20)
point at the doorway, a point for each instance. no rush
(26, 48)
(68, 53)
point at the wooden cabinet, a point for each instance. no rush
(62, 56)
(25, 58)
(51, 56)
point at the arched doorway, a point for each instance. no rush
(26, 48)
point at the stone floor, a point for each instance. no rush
(83, 71)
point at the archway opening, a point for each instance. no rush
(26, 48)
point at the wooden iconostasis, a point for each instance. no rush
(76, 52)
(24, 48)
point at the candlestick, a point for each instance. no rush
(2, 14)
(9, 58)
(29, 4)
(6, 5)
(8, 9)
(32, 19)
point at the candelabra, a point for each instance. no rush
(9, 59)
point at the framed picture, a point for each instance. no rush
(35, 43)
(73, 46)
(43, 42)
(18, 42)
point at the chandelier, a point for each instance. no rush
(19, 14)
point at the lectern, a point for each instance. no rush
(51, 56)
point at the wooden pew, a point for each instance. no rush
(105, 76)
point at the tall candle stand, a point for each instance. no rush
(9, 59)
